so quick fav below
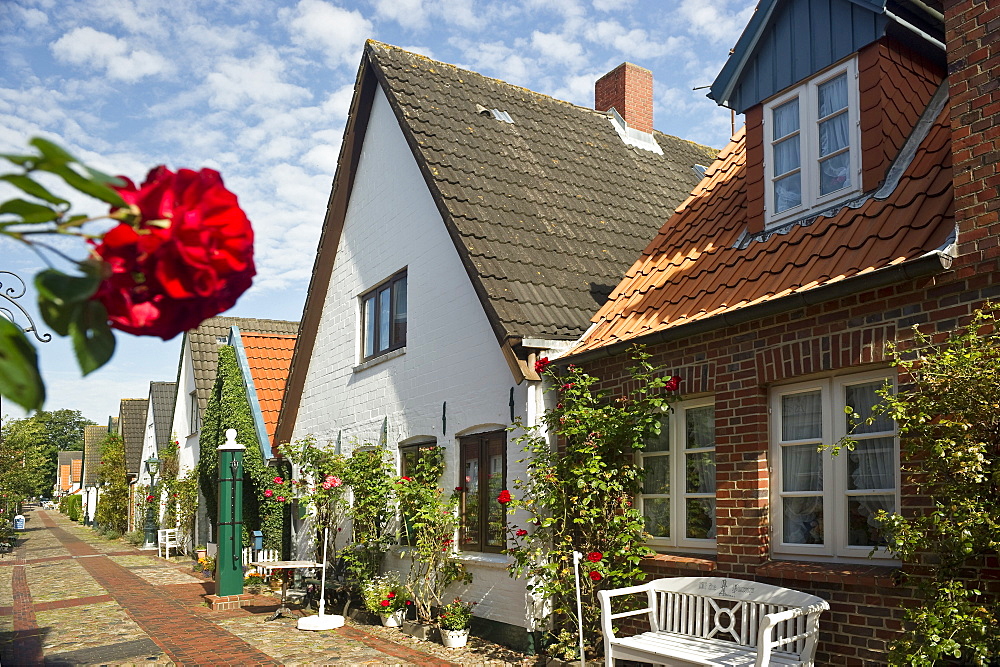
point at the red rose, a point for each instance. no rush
(595, 556)
(149, 498)
(280, 499)
(182, 253)
(278, 480)
(268, 493)
(409, 602)
(672, 384)
(521, 532)
(391, 595)
(568, 385)
(541, 365)
(384, 603)
(595, 575)
(459, 489)
(504, 497)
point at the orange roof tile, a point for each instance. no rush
(269, 357)
(76, 471)
(697, 267)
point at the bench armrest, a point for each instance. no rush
(607, 617)
(765, 632)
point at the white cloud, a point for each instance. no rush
(459, 13)
(631, 43)
(33, 18)
(498, 60)
(87, 47)
(409, 14)
(611, 5)
(258, 80)
(720, 22)
(338, 33)
(558, 48)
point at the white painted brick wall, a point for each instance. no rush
(451, 355)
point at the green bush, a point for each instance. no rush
(72, 507)
(135, 537)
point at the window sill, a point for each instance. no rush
(485, 559)
(693, 563)
(830, 573)
(365, 365)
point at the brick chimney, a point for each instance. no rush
(973, 71)
(629, 89)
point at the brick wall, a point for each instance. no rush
(738, 365)
(629, 89)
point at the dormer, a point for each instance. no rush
(830, 89)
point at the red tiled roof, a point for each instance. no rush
(269, 357)
(695, 268)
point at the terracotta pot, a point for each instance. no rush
(201, 553)
(454, 638)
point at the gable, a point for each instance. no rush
(787, 41)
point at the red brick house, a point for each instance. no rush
(860, 199)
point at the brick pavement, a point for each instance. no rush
(99, 602)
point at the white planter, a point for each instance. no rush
(454, 638)
(393, 620)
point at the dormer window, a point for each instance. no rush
(812, 143)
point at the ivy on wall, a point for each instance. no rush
(228, 408)
(112, 504)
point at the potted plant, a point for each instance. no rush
(383, 595)
(454, 622)
(253, 582)
(200, 551)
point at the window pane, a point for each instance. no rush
(494, 527)
(700, 473)
(700, 518)
(399, 313)
(801, 416)
(862, 528)
(657, 474)
(862, 398)
(801, 468)
(369, 316)
(787, 192)
(835, 173)
(700, 424)
(470, 518)
(786, 156)
(661, 442)
(833, 134)
(872, 464)
(383, 319)
(833, 96)
(786, 119)
(656, 512)
(802, 520)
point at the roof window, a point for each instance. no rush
(631, 136)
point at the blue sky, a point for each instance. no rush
(260, 91)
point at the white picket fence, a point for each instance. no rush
(264, 555)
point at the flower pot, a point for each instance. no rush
(393, 619)
(201, 553)
(454, 638)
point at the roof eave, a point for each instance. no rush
(929, 264)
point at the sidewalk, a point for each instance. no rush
(70, 597)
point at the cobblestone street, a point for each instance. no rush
(70, 597)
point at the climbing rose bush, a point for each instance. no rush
(182, 253)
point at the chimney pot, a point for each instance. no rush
(629, 89)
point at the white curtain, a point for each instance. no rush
(834, 135)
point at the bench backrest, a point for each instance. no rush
(729, 609)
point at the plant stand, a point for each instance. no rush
(454, 638)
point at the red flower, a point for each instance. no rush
(182, 253)
(459, 489)
(521, 532)
(391, 595)
(504, 497)
(595, 575)
(149, 498)
(404, 478)
(409, 602)
(673, 383)
(541, 365)
(280, 499)
(384, 603)
(278, 480)
(268, 493)
(568, 385)
(595, 556)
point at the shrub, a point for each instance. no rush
(72, 507)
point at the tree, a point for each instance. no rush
(948, 412)
(30, 459)
(64, 428)
(43, 435)
(112, 503)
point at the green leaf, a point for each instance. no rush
(106, 179)
(62, 297)
(29, 212)
(20, 380)
(93, 341)
(19, 160)
(51, 151)
(84, 184)
(32, 187)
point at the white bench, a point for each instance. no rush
(715, 621)
(166, 539)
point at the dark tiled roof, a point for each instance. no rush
(132, 421)
(548, 211)
(93, 436)
(162, 395)
(697, 268)
(269, 357)
(205, 347)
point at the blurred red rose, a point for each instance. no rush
(504, 497)
(182, 253)
(541, 365)
(595, 556)
(673, 383)
(521, 532)
(595, 575)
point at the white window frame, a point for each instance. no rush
(678, 495)
(809, 144)
(835, 491)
